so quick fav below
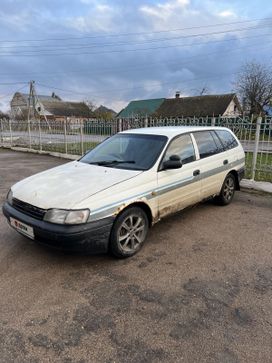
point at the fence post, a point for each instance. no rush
(146, 122)
(119, 125)
(10, 132)
(256, 146)
(213, 121)
(40, 134)
(29, 133)
(1, 131)
(65, 135)
(81, 138)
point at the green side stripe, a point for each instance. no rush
(150, 194)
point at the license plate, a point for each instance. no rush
(22, 228)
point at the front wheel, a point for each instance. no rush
(129, 232)
(227, 191)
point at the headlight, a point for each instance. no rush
(77, 216)
(9, 197)
(62, 216)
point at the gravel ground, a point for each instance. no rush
(199, 291)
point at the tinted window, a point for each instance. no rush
(218, 142)
(206, 144)
(183, 147)
(227, 139)
(127, 151)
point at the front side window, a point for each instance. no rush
(127, 151)
(227, 139)
(206, 144)
(183, 147)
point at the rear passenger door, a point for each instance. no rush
(211, 162)
(178, 188)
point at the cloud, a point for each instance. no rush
(99, 18)
(227, 14)
(107, 69)
(165, 10)
(152, 86)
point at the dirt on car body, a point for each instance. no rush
(199, 291)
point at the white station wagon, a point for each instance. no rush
(108, 199)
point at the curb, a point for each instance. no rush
(265, 187)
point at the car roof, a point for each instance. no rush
(171, 131)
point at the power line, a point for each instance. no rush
(137, 87)
(134, 33)
(114, 90)
(150, 64)
(11, 93)
(107, 90)
(11, 83)
(93, 53)
(84, 46)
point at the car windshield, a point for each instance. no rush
(127, 151)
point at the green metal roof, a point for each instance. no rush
(141, 108)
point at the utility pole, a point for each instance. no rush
(35, 101)
(30, 98)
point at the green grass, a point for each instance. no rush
(247, 135)
(263, 167)
(72, 148)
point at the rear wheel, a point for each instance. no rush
(227, 191)
(129, 232)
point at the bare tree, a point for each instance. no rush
(201, 91)
(254, 86)
(90, 104)
(91, 107)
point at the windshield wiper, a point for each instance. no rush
(112, 162)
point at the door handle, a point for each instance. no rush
(196, 172)
(225, 162)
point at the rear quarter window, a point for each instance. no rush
(227, 139)
(206, 144)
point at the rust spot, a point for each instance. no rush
(120, 208)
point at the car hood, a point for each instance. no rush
(68, 184)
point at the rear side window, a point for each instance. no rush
(227, 139)
(183, 147)
(206, 144)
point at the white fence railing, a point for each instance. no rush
(74, 138)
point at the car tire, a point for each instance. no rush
(227, 191)
(129, 232)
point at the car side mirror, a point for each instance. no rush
(174, 162)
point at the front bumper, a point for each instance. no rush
(90, 237)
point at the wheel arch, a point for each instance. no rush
(144, 206)
(236, 177)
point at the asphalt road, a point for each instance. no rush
(22, 138)
(199, 291)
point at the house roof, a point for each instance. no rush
(103, 109)
(198, 106)
(141, 108)
(42, 98)
(77, 109)
(53, 105)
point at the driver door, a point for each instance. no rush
(179, 188)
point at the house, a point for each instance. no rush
(141, 108)
(4, 115)
(104, 113)
(225, 105)
(49, 107)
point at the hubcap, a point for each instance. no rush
(131, 233)
(228, 189)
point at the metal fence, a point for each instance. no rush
(75, 138)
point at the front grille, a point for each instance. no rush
(28, 209)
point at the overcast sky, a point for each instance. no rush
(111, 52)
